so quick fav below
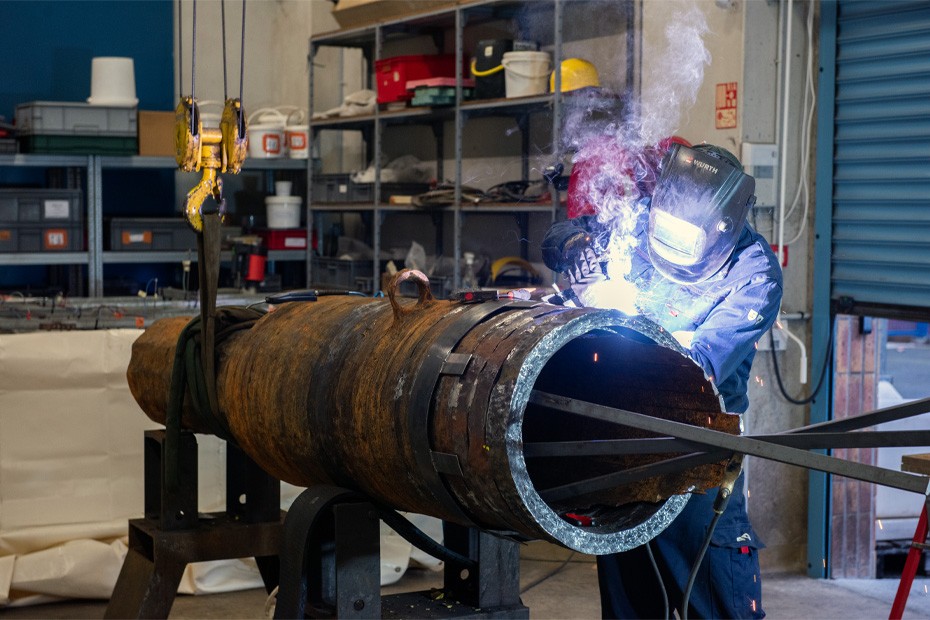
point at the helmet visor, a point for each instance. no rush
(697, 213)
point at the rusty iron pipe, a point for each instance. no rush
(423, 406)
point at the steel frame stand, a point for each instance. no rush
(173, 534)
(330, 567)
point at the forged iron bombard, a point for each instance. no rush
(424, 406)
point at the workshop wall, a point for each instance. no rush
(48, 47)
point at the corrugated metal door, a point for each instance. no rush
(881, 177)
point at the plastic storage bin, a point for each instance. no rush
(341, 274)
(72, 127)
(284, 239)
(65, 237)
(46, 206)
(339, 188)
(392, 74)
(142, 234)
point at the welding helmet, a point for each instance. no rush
(698, 211)
(576, 73)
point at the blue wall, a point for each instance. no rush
(47, 47)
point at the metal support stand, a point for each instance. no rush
(173, 535)
(330, 567)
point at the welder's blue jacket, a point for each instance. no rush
(728, 312)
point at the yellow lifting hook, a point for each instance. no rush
(210, 149)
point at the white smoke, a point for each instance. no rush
(672, 74)
(621, 154)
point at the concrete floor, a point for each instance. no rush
(569, 593)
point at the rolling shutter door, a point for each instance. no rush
(881, 185)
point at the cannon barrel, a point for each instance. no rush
(425, 406)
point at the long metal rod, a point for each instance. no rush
(879, 416)
(716, 439)
(629, 476)
(659, 445)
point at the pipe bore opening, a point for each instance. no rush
(624, 369)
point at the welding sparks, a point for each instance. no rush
(760, 381)
(880, 524)
(825, 562)
(595, 358)
(753, 605)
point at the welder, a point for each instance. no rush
(705, 275)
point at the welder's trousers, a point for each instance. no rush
(728, 584)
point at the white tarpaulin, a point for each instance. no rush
(71, 473)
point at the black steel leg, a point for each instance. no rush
(173, 535)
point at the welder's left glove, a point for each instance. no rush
(583, 263)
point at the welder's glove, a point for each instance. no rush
(583, 263)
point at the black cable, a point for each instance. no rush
(421, 540)
(655, 567)
(823, 371)
(697, 564)
(242, 54)
(193, 46)
(548, 575)
(180, 54)
(223, 31)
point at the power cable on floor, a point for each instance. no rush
(549, 575)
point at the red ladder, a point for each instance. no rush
(919, 464)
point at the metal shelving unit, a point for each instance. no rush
(547, 15)
(95, 257)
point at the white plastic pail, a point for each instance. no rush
(298, 141)
(283, 211)
(266, 134)
(526, 73)
(112, 82)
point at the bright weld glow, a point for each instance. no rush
(614, 294)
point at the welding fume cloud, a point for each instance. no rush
(617, 159)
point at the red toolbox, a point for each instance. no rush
(286, 239)
(392, 74)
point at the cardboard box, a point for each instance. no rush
(156, 133)
(352, 13)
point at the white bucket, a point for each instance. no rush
(266, 134)
(526, 73)
(283, 211)
(112, 82)
(296, 132)
(298, 141)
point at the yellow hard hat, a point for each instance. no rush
(576, 73)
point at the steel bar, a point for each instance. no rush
(659, 445)
(629, 476)
(744, 445)
(879, 416)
